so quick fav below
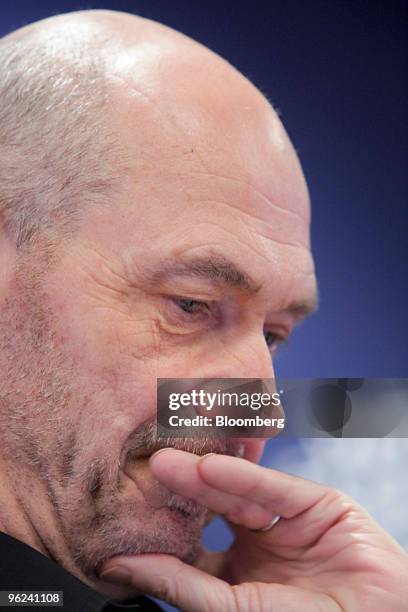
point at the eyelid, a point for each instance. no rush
(282, 339)
(213, 311)
(204, 302)
(278, 330)
(193, 317)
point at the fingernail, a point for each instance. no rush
(160, 451)
(116, 574)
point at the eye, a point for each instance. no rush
(192, 306)
(273, 340)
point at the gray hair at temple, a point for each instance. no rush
(57, 154)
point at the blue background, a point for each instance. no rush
(336, 71)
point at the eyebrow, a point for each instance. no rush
(303, 308)
(220, 270)
(217, 269)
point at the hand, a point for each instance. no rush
(326, 552)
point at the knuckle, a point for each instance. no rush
(340, 499)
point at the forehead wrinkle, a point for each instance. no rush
(271, 204)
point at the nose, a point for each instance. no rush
(248, 357)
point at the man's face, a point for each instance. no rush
(205, 250)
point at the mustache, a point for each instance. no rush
(143, 442)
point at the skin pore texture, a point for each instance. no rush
(212, 177)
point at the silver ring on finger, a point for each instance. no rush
(269, 526)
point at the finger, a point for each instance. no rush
(171, 580)
(191, 590)
(251, 496)
(308, 509)
(235, 479)
(289, 495)
(178, 471)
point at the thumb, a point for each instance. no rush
(169, 579)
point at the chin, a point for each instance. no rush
(137, 529)
(174, 530)
(165, 531)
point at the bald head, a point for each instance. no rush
(91, 99)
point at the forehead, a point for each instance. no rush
(210, 166)
(184, 104)
(192, 214)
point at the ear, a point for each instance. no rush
(8, 254)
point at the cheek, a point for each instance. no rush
(115, 384)
(105, 343)
(112, 414)
(97, 327)
(129, 367)
(135, 394)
